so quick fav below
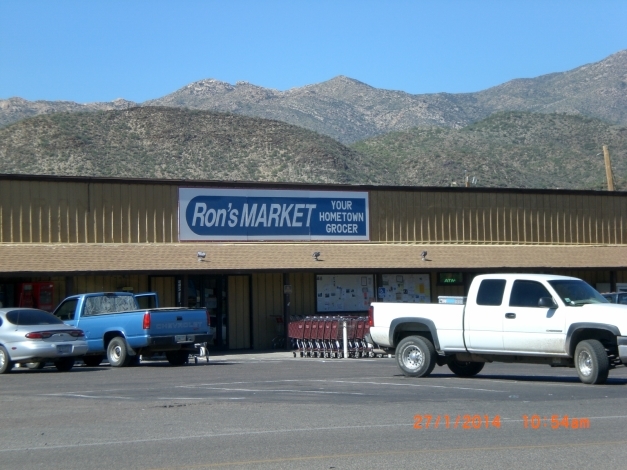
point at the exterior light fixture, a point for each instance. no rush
(201, 255)
(315, 255)
(423, 255)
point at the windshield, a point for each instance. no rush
(574, 292)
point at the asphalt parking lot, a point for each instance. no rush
(271, 411)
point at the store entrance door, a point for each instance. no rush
(209, 292)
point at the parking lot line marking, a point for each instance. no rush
(274, 390)
(542, 380)
(86, 391)
(79, 395)
(406, 385)
(201, 398)
(271, 431)
(348, 382)
(246, 463)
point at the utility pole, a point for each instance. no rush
(608, 169)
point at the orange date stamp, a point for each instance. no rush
(486, 422)
(455, 422)
(555, 422)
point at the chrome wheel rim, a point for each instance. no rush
(116, 353)
(584, 363)
(3, 359)
(413, 358)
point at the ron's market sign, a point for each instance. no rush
(256, 214)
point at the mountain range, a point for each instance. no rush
(349, 110)
(544, 132)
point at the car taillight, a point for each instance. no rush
(146, 323)
(77, 333)
(39, 335)
(371, 316)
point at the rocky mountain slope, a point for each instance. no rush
(349, 110)
(158, 142)
(508, 149)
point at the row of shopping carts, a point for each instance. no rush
(323, 336)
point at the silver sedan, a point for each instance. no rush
(34, 337)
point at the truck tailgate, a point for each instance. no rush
(175, 321)
(447, 319)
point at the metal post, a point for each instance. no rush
(286, 309)
(608, 169)
(345, 338)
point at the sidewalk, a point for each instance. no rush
(249, 354)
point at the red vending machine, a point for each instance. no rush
(36, 295)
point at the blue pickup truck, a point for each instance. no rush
(117, 327)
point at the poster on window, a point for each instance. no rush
(344, 292)
(407, 288)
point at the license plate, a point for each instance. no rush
(184, 338)
(64, 348)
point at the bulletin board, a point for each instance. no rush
(407, 288)
(344, 292)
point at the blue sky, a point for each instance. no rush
(101, 50)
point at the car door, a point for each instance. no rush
(483, 319)
(528, 328)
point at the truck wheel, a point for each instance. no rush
(465, 369)
(591, 361)
(177, 358)
(117, 352)
(5, 361)
(415, 356)
(65, 364)
(36, 365)
(92, 361)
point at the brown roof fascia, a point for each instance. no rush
(301, 186)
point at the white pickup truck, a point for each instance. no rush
(525, 318)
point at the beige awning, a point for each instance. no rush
(264, 257)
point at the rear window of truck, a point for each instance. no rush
(109, 303)
(491, 292)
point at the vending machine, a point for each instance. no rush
(36, 295)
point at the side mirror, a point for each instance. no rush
(547, 302)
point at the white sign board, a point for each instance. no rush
(344, 292)
(263, 214)
(408, 288)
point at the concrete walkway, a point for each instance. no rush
(249, 354)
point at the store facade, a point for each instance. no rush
(255, 253)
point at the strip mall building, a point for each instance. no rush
(245, 251)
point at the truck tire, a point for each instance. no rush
(465, 369)
(92, 361)
(177, 358)
(65, 364)
(117, 352)
(591, 361)
(5, 361)
(415, 356)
